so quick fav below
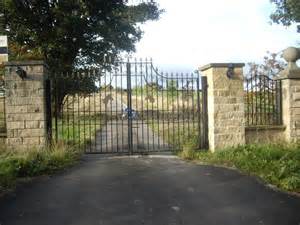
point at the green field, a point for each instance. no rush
(77, 129)
(179, 135)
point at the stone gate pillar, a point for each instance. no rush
(25, 104)
(226, 116)
(290, 80)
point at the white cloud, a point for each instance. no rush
(195, 32)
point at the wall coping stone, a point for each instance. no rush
(221, 65)
(289, 74)
(26, 63)
(265, 127)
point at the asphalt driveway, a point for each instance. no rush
(137, 191)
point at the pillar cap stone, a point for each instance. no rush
(26, 63)
(291, 55)
(221, 65)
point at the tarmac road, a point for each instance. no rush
(148, 191)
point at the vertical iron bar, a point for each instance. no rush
(193, 103)
(136, 122)
(163, 112)
(182, 103)
(62, 109)
(252, 101)
(117, 107)
(110, 89)
(157, 114)
(264, 100)
(68, 116)
(168, 110)
(147, 106)
(121, 77)
(48, 113)
(247, 100)
(100, 111)
(95, 113)
(200, 116)
(56, 107)
(173, 110)
(278, 102)
(84, 134)
(142, 101)
(73, 111)
(260, 100)
(129, 113)
(270, 103)
(204, 120)
(188, 118)
(78, 113)
(90, 119)
(178, 109)
(152, 105)
(105, 111)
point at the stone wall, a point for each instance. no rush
(265, 135)
(25, 105)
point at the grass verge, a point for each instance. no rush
(33, 162)
(276, 164)
(78, 130)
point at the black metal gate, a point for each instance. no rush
(130, 107)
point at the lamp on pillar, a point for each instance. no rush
(21, 73)
(230, 71)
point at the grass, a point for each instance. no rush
(78, 130)
(276, 164)
(15, 164)
(177, 134)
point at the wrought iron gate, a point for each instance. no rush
(129, 107)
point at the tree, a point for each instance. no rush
(270, 67)
(287, 12)
(260, 88)
(74, 33)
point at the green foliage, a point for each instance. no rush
(287, 12)
(77, 130)
(181, 136)
(270, 67)
(16, 164)
(73, 34)
(23, 52)
(278, 164)
(148, 89)
(69, 31)
(172, 88)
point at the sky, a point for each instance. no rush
(192, 33)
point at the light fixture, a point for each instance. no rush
(230, 71)
(21, 73)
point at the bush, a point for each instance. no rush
(34, 162)
(276, 164)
